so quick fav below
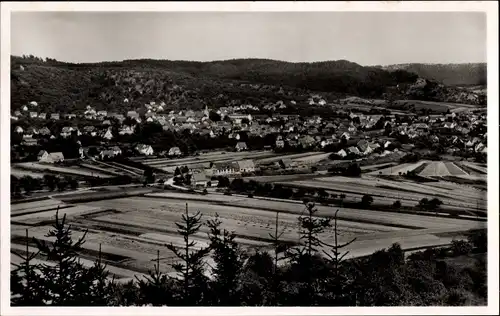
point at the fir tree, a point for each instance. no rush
(99, 287)
(279, 247)
(336, 288)
(62, 279)
(229, 260)
(25, 282)
(155, 288)
(191, 265)
(305, 258)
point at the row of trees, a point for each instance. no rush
(29, 184)
(311, 272)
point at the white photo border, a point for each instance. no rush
(489, 7)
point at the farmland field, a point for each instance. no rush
(108, 170)
(21, 173)
(217, 157)
(433, 168)
(48, 215)
(288, 156)
(77, 171)
(409, 193)
(260, 157)
(140, 225)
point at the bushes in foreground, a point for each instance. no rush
(308, 273)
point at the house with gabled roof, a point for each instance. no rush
(362, 145)
(126, 130)
(345, 136)
(107, 134)
(353, 150)
(66, 131)
(44, 156)
(144, 149)
(287, 163)
(90, 130)
(342, 153)
(45, 131)
(175, 151)
(245, 166)
(200, 179)
(241, 146)
(280, 143)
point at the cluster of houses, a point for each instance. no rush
(360, 134)
(207, 176)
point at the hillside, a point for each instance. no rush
(448, 74)
(120, 86)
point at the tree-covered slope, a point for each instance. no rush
(62, 87)
(448, 74)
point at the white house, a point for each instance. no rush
(342, 153)
(224, 169)
(126, 130)
(280, 143)
(345, 136)
(200, 179)
(240, 146)
(245, 166)
(174, 151)
(353, 150)
(144, 149)
(44, 156)
(107, 135)
(66, 131)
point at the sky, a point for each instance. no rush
(367, 38)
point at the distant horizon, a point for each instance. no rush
(248, 58)
(364, 38)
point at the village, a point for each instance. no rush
(349, 134)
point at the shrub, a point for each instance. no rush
(461, 247)
(367, 200)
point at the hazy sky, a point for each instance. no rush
(361, 37)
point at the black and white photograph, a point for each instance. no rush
(249, 158)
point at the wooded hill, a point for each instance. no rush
(448, 74)
(62, 87)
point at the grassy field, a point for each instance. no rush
(434, 168)
(203, 159)
(287, 156)
(435, 106)
(74, 171)
(138, 226)
(103, 169)
(260, 157)
(49, 215)
(22, 173)
(409, 193)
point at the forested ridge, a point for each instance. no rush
(63, 87)
(474, 74)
